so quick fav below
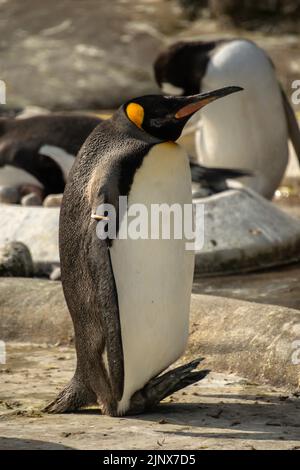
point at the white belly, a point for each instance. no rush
(154, 277)
(248, 129)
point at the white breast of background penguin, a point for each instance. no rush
(64, 159)
(12, 176)
(247, 130)
(154, 277)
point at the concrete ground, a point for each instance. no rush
(221, 412)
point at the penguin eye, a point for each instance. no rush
(135, 113)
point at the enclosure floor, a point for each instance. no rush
(221, 412)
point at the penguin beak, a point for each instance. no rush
(192, 104)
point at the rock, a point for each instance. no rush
(31, 188)
(37, 227)
(9, 112)
(53, 200)
(15, 260)
(9, 195)
(276, 287)
(38, 307)
(31, 199)
(55, 274)
(259, 342)
(241, 231)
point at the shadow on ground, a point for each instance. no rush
(25, 444)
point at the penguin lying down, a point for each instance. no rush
(37, 153)
(129, 298)
(207, 181)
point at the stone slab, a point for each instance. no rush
(37, 227)
(273, 286)
(243, 232)
(260, 342)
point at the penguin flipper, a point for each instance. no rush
(292, 123)
(164, 385)
(105, 350)
(214, 175)
(107, 303)
(99, 375)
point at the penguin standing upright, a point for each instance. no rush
(129, 298)
(40, 150)
(249, 131)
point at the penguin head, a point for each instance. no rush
(164, 117)
(180, 68)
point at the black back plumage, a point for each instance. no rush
(22, 139)
(184, 64)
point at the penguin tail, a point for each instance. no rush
(164, 385)
(71, 398)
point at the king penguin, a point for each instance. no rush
(129, 298)
(249, 131)
(40, 150)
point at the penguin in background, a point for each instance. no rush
(249, 131)
(129, 299)
(39, 151)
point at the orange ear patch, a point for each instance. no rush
(135, 112)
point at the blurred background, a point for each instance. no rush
(95, 54)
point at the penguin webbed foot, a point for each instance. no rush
(71, 398)
(164, 385)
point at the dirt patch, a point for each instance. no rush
(221, 412)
